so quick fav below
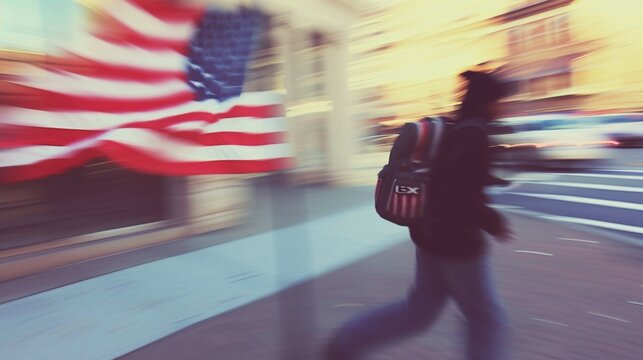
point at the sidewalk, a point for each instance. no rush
(567, 299)
(110, 315)
(279, 294)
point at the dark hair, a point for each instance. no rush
(482, 90)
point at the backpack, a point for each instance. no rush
(402, 184)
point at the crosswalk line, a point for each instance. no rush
(588, 222)
(505, 206)
(633, 171)
(595, 223)
(532, 176)
(607, 176)
(583, 200)
(589, 186)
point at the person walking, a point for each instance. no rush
(452, 260)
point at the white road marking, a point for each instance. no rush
(549, 321)
(579, 240)
(533, 252)
(596, 223)
(593, 223)
(589, 186)
(500, 190)
(583, 200)
(532, 176)
(608, 316)
(506, 207)
(624, 170)
(607, 176)
(635, 303)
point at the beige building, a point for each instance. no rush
(554, 54)
(304, 55)
(571, 55)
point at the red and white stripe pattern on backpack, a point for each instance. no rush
(406, 201)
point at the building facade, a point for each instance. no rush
(102, 209)
(555, 55)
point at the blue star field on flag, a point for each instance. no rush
(220, 52)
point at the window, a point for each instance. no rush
(514, 41)
(538, 86)
(95, 197)
(559, 81)
(561, 30)
(538, 35)
(542, 85)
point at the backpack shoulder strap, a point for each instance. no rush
(422, 140)
(439, 128)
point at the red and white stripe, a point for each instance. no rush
(420, 145)
(404, 205)
(122, 93)
(413, 207)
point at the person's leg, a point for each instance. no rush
(396, 320)
(471, 285)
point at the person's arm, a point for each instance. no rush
(467, 175)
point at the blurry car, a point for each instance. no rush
(552, 140)
(626, 129)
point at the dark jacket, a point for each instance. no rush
(458, 210)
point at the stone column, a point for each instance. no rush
(216, 202)
(341, 133)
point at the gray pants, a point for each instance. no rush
(437, 279)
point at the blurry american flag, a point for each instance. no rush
(157, 87)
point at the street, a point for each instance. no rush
(579, 299)
(278, 292)
(606, 199)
